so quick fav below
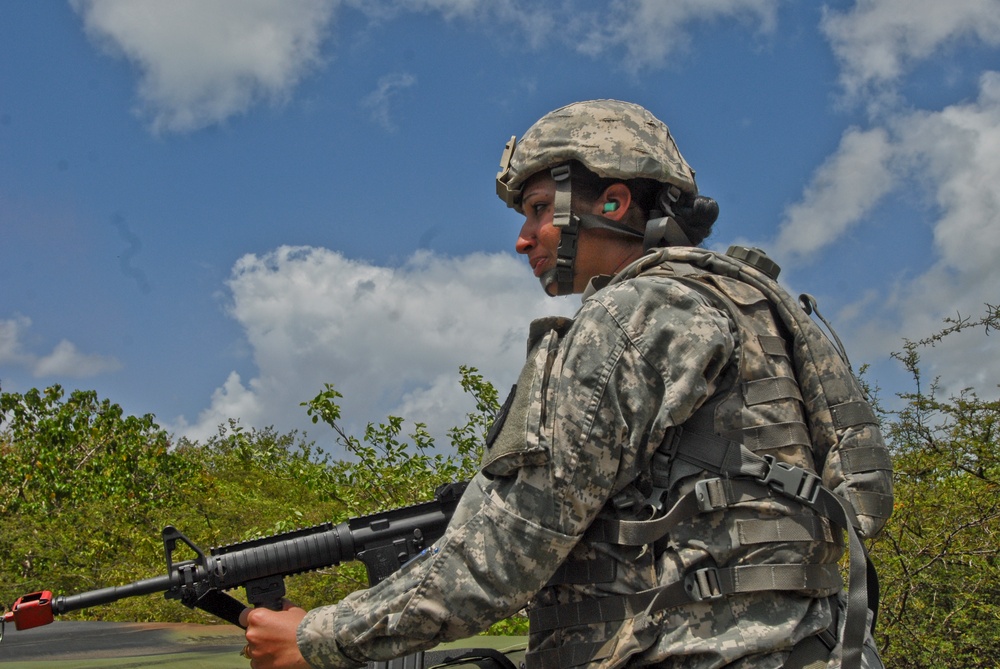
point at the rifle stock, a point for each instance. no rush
(383, 542)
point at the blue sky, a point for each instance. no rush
(209, 208)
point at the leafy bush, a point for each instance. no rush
(57, 452)
(85, 491)
(939, 557)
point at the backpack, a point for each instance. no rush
(853, 486)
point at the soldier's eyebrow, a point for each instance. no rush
(533, 189)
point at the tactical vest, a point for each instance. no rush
(796, 424)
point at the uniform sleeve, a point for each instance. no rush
(597, 395)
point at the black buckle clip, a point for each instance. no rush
(793, 481)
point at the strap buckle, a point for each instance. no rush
(707, 502)
(793, 481)
(703, 584)
(560, 172)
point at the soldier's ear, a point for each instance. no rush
(614, 201)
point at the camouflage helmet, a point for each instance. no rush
(613, 139)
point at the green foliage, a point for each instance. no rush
(938, 557)
(85, 491)
(405, 472)
(56, 452)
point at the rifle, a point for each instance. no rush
(382, 541)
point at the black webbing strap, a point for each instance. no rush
(477, 656)
(580, 572)
(562, 218)
(700, 585)
(813, 652)
(642, 532)
(411, 661)
(590, 611)
(709, 495)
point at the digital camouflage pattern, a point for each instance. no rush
(598, 396)
(843, 431)
(613, 139)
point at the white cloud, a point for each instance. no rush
(652, 30)
(877, 40)
(202, 61)
(11, 333)
(450, 9)
(638, 26)
(841, 192)
(951, 159)
(65, 360)
(379, 100)
(958, 150)
(390, 339)
(957, 154)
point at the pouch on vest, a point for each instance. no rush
(513, 441)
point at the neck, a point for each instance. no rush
(627, 257)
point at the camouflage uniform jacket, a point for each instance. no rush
(598, 397)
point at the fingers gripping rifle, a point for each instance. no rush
(382, 541)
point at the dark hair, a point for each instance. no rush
(696, 215)
(588, 187)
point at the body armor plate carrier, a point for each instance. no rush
(844, 473)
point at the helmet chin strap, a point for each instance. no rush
(580, 222)
(661, 230)
(569, 231)
(664, 231)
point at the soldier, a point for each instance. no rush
(629, 492)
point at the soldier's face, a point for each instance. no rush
(538, 239)
(598, 252)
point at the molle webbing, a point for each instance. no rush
(700, 585)
(834, 402)
(732, 461)
(573, 655)
(579, 572)
(745, 477)
(762, 391)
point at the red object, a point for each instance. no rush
(32, 610)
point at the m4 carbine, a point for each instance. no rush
(382, 541)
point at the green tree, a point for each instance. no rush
(57, 450)
(85, 491)
(384, 470)
(939, 554)
(405, 472)
(81, 487)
